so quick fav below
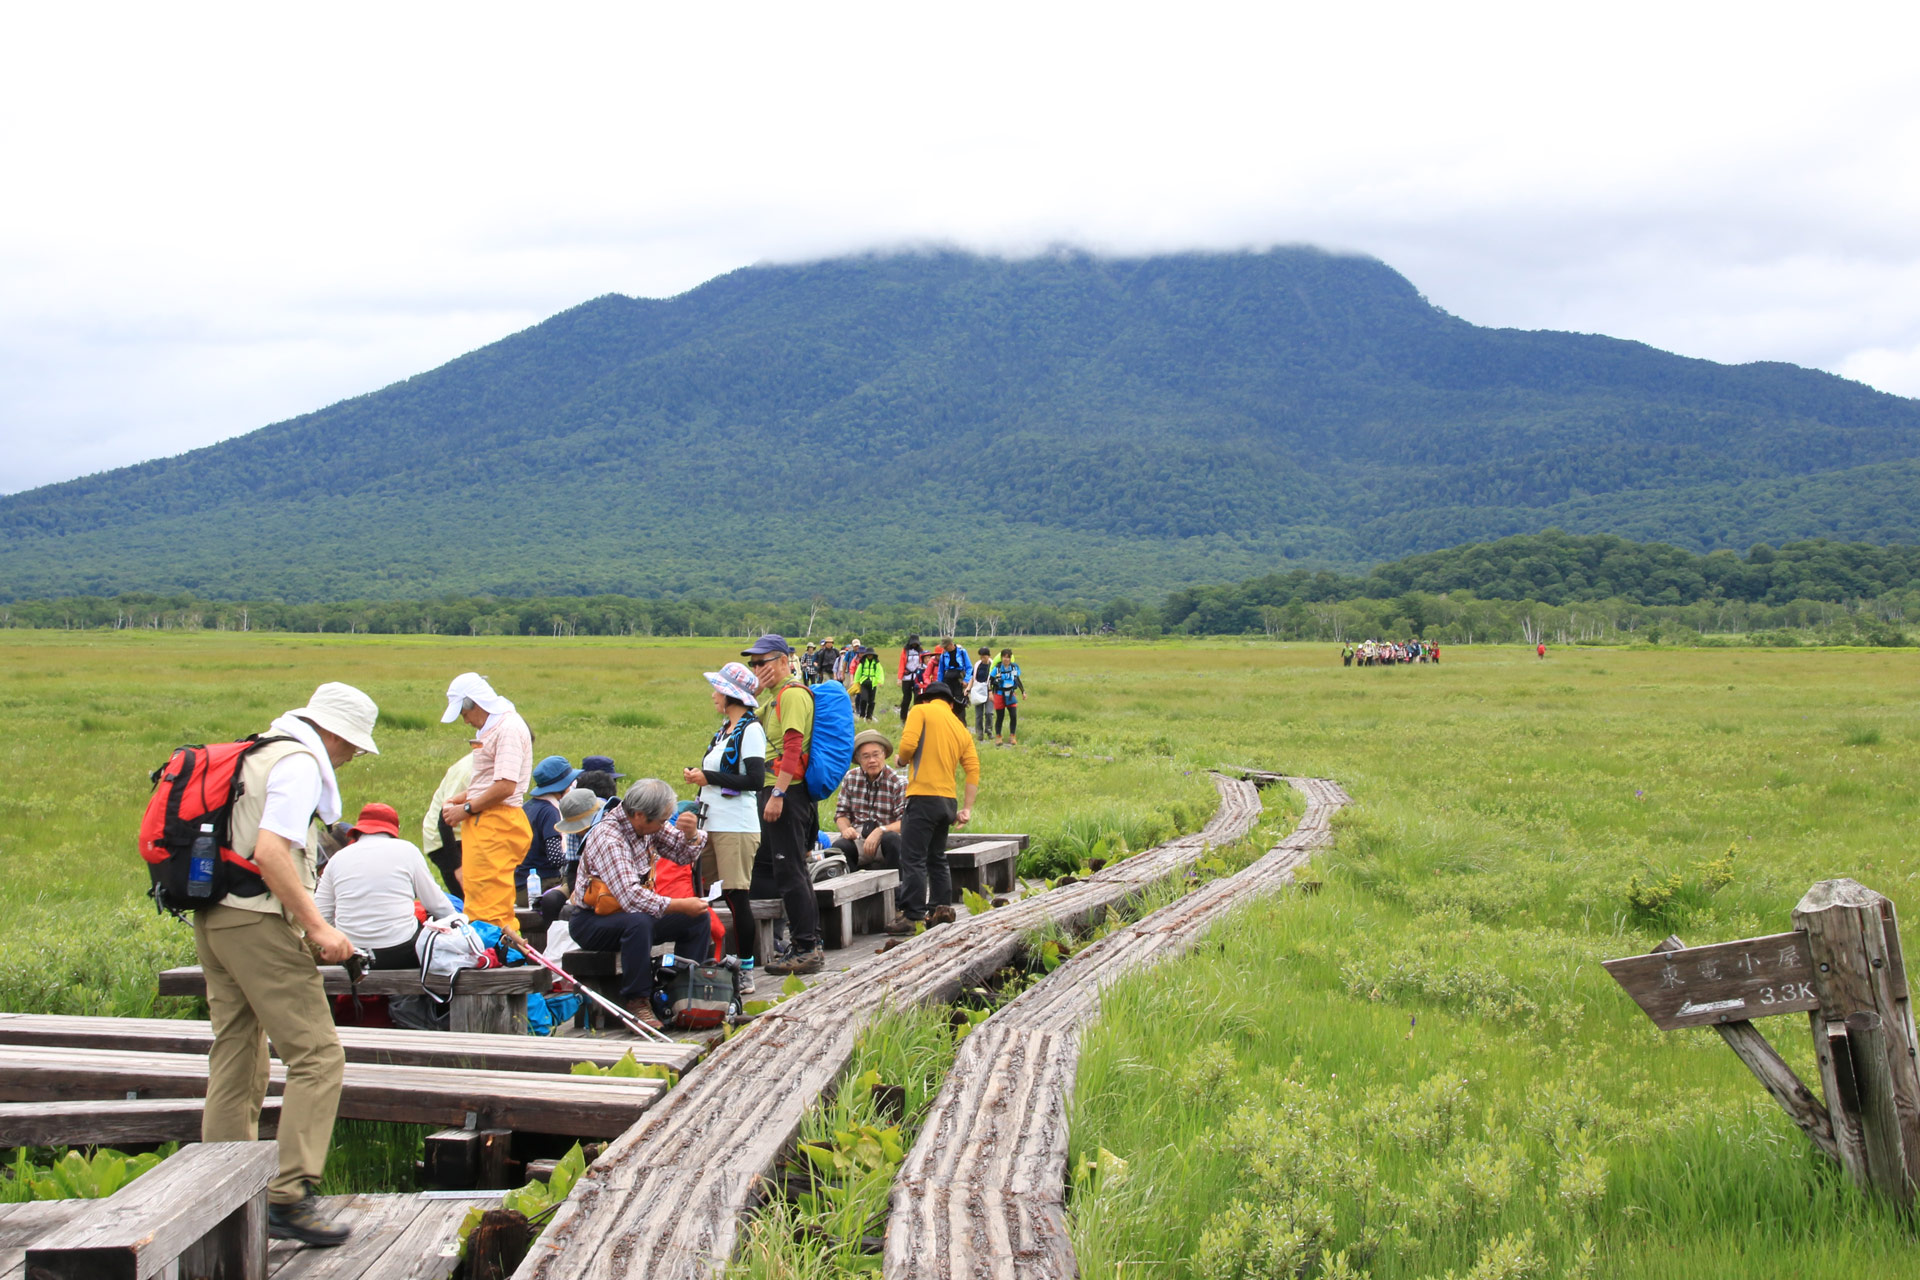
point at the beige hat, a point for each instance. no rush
(343, 710)
(865, 736)
(578, 809)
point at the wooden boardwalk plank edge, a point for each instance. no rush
(667, 1199)
(981, 1193)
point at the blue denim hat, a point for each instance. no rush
(551, 775)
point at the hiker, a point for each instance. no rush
(730, 778)
(932, 746)
(260, 974)
(979, 694)
(825, 661)
(546, 856)
(1007, 689)
(580, 810)
(494, 833)
(789, 826)
(955, 670)
(370, 887)
(439, 841)
(872, 804)
(912, 660)
(866, 679)
(1541, 648)
(614, 906)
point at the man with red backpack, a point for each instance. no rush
(257, 945)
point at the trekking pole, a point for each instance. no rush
(625, 1019)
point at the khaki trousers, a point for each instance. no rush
(261, 984)
(493, 844)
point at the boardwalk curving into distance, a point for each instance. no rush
(982, 1193)
(667, 1199)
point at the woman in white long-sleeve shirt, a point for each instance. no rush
(369, 889)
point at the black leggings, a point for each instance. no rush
(746, 935)
(1011, 715)
(907, 691)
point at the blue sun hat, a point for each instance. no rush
(552, 775)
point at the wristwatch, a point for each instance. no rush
(779, 791)
(468, 806)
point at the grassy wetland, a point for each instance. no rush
(1418, 1070)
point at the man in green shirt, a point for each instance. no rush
(789, 823)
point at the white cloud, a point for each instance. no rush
(218, 217)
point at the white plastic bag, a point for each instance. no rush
(447, 946)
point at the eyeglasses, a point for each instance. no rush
(757, 663)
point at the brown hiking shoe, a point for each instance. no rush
(800, 962)
(303, 1221)
(942, 914)
(642, 1012)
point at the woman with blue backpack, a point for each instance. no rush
(1005, 682)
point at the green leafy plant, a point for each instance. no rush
(628, 1068)
(536, 1200)
(73, 1176)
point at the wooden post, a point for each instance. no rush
(1866, 1015)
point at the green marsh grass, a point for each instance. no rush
(1504, 806)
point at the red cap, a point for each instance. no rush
(377, 820)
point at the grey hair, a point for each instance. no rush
(466, 705)
(651, 798)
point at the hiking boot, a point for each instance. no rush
(904, 925)
(746, 982)
(303, 1221)
(799, 962)
(642, 1011)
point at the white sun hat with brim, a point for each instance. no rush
(343, 710)
(736, 681)
(472, 685)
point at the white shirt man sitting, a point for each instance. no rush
(369, 889)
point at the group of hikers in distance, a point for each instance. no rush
(610, 869)
(990, 687)
(1379, 653)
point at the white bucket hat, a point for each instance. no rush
(344, 710)
(472, 685)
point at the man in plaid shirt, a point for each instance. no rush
(873, 800)
(625, 914)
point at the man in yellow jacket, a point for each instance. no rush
(934, 746)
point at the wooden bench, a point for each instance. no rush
(859, 902)
(202, 1212)
(479, 1000)
(392, 1046)
(986, 866)
(601, 971)
(542, 1102)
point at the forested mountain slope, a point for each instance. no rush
(890, 427)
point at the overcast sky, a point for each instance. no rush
(212, 218)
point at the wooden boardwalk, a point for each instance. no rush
(395, 1237)
(982, 1192)
(667, 1199)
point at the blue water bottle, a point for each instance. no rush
(200, 863)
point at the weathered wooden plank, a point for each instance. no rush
(189, 980)
(149, 1223)
(982, 1192)
(1725, 982)
(395, 1237)
(583, 1106)
(388, 1046)
(666, 1199)
(22, 1224)
(110, 1122)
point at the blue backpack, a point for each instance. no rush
(830, 753)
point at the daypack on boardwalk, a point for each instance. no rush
(695, 997)
(196, 788)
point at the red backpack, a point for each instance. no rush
(197, 787)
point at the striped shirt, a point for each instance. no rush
(505, 751)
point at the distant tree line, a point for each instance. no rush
(1552, 586)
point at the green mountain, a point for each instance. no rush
(886, 428)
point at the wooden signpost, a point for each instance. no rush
(1842, 967)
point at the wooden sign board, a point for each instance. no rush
(1725, 982)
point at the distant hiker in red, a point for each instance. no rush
(1542, 649)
